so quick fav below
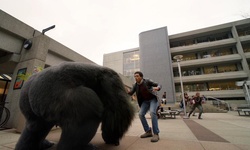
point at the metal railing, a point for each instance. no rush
(219, 102)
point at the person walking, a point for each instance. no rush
(164, 100)
(197, 103)
(146, 92)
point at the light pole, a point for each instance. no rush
(179, 58)
(28, 43)
(49, 28)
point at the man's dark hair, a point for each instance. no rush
(140, 73)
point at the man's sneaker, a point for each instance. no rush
(155, 138)
(147, 134)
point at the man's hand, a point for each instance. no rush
(156, 88)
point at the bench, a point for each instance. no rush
(245, 111)
(171, 113)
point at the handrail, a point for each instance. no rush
(219, 101)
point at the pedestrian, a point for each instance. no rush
(186, 99)
(197, 103)
(191, 104)
(164, 100)
(146, 92)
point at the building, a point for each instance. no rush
(17, 58)
(125, 62)
(24, 49)
(214, 59)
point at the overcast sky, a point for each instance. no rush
(96, 27)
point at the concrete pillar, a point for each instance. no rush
(34, 57)
(241, 52)
(156, 61)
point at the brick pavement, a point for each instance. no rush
(215, 131)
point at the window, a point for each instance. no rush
(220, 68)
(246, 48)
(131, 63)
(222, 85)
(209, 69)
(217, 52)
(187, 72)
(191, 87)
(190, 56)
(243, 31)
(211, 86)
(227, 68)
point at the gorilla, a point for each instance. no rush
(77, 97)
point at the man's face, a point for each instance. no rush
(138, 78)
(198, 94)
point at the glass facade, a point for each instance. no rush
(131, 63)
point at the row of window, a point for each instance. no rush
(210, 38)
(219, 68)
(209, 53)
(214, 53)
(129, 67)
(208, 86)
(207, 38)
(131, 63)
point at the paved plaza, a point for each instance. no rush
(216, 131)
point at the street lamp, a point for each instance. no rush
(49, 28)
(28, 43)
(179, 58)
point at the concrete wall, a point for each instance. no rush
(114, 61)
(155, 60)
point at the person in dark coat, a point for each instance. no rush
(197, 104)
(146, 92)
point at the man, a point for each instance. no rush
(147, 99)
(164, 100)
(198, 104)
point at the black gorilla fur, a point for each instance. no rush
(77, 97)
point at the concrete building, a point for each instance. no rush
(214, 60)
(23, 49)
(15, 59)
(125, 62)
